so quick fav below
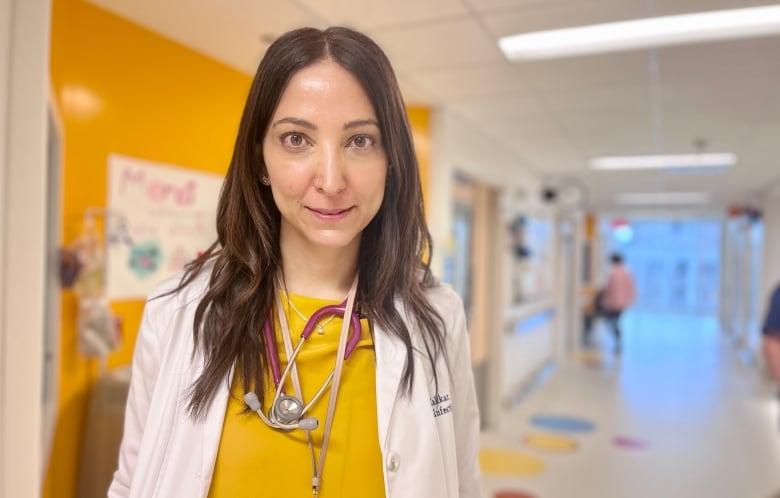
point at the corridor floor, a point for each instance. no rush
(679, 414)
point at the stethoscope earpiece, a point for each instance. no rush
(308, 424)
(252, 402)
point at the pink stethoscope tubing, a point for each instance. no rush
(311, 323)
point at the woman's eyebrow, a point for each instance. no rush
(296, 121)
(360, 122)
(308, 124)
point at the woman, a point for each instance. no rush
(321, 206)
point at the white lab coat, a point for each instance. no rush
(429, 443)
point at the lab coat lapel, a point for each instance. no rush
(390, 361)
(212, 433)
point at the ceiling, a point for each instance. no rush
(555, 114)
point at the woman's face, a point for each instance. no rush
(324, 158)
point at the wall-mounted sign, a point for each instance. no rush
(159, 218)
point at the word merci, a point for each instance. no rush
(441, 405)
(155, 190)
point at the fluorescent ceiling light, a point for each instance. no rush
(667, 198)
(643, 33)
(674, 161)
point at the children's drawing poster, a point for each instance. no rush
(160, 218)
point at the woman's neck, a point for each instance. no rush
(328, 274)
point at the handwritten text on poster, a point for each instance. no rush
(161, 217)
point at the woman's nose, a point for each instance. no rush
(331, 172)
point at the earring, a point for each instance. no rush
(265, 181)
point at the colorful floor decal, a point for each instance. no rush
(630, 443)
(552, 443)
(509, 463)
(512, 494)
(562, 423)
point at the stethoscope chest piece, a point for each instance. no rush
(287, 409)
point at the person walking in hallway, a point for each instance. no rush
(618, 294)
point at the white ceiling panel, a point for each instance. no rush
(522, 107)
(485, 81)
(620, 142)
(710, 63)
(699, 137)
(517, 121)
(377, 15)
(675, 7)
(439, 45)
(551, 156)
(591, 72)
(760, 150)
(557, 15)
(601, 102)
(493, 5)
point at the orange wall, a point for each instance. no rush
(122, 89)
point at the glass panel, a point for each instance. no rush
(676, 264)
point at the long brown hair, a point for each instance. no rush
(244, 260)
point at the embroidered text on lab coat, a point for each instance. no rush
(440, 403)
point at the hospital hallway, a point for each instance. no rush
(679, 414)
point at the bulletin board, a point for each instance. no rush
(160, 217)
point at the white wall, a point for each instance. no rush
(568, 283)
(459, 146)
(523, 354)
(24, 49)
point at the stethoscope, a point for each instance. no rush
(287, 412)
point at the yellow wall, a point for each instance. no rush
(123, 89)
(420, 121)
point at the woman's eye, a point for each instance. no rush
(294, 140)
(362, 141)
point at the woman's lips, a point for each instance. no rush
(330, 214)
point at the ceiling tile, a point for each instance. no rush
(492, 80)
(675, 7)
(504, 5)
(558, 15)
(587, 73)
(374, 15)
(515, 108)
(438, 45)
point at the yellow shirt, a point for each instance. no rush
(257, 461)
